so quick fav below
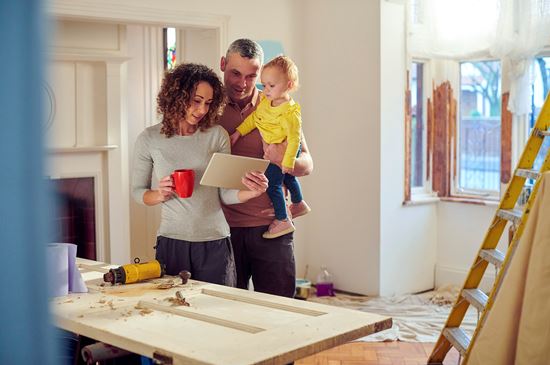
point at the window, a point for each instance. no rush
(417, 126)
(416, 166)
(478, 153)
(416, 11)
(540, 88)
(169, 48)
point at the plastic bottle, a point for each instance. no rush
(324, 285)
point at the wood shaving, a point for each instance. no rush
(145, 311)
(168, 285)
(142, 310)
(127, 314)
(178, 300)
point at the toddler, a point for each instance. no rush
(278, 118)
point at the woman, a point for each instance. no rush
(193, 233)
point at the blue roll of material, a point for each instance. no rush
(58, 270)
(63, 274)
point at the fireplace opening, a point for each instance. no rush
(73, 220)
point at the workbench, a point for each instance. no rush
(220, 325)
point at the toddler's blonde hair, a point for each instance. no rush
(288, 67)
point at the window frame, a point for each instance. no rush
(165, 31)
(545, 53)
(423, 192)
(425, 188)
(457, 192)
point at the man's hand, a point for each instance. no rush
(304, 163)
(287, 170)
(274, 152)
(270, 212)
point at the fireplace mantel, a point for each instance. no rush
(82, 149)
(86, 135)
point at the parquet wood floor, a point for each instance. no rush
(378, 353)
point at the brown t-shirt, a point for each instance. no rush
(247, 214)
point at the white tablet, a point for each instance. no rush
(226, 171)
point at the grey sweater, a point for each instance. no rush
(200, 217)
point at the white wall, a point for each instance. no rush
(353, 89)
(145, 43)
(461, 230)
(341, 109)
(199, 46)
(408, 233)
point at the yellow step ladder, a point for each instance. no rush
(452, 335)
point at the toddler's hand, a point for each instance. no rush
(287, 170)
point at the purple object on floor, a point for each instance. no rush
(324, 289)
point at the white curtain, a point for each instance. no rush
(513, 30)
(453, 28)
(523, 30)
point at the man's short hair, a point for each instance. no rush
(246, 48)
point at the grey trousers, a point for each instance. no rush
(269, 262)
(210, 261)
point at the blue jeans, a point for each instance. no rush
(275, 189)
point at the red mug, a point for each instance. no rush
(184, 182)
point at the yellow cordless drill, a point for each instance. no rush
(133, 273)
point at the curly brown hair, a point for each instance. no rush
(176, 91)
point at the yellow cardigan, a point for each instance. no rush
(275, 125)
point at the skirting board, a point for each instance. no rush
(445, 275)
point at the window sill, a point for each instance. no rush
(422, 199)
(433, 198)
(468, 200)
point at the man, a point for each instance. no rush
(269, 262)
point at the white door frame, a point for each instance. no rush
(128, 12)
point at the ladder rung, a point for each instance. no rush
(458, 338)
(493, 256)
(543, 133)
(513, 215)
(476, 297)
(529, 174)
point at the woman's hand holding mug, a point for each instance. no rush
(166, 188)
